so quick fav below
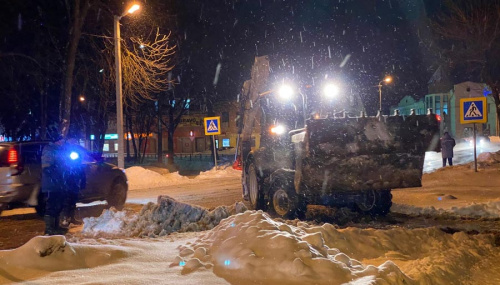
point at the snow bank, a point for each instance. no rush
(489, 158)
(140, 178)
(481, 210)
(160, 219)
(53, 253)
(228, 171)
(251, 248)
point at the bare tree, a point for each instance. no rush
(77, 12)
(470, 31)
(145, 67)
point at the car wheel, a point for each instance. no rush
(117, 194)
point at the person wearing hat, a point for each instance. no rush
(53, 185)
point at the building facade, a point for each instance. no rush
(447, 106)
(189, 136)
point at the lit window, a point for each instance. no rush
(105, 147)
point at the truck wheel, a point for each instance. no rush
(117, 194)
(375, 202)
(285, 202)
(254, 184)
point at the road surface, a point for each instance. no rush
(20, 225)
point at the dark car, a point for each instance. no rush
(20, 178)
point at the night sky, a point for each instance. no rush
(354, 42)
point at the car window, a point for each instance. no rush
(32, 153)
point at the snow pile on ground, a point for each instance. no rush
(53, 253)
(489, 210)
(251, 248)
(489, 158)
(140, 178)
(160, 219)
(228, 171)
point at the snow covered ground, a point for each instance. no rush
(252, 248)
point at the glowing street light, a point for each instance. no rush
(119, 96)
(134, 8)
(387, 80)
(82, 98)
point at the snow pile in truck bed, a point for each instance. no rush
(480, 210)
(160, 219)
(140, 178)
(251, 248)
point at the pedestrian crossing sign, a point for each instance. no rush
(473, 110)
(212, 125)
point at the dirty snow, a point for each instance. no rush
(251, 248)
(158, 219)
(481, 210)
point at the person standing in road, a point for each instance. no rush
(74, 179)
(52, 185)
(447, 144)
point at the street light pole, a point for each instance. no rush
(380, 95)
(119, 95)
(387, 79)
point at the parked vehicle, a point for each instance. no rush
(20, 178)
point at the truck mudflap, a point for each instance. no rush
(367, 153)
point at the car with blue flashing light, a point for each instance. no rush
(20, 177)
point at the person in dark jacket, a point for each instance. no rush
(447, 144)
(52, 185)
(74, 180)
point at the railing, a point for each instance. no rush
(177, 156)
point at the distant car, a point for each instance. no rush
(481, 141)
(20, 178)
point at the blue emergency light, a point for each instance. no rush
(73, 155)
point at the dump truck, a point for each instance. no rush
(333, 160)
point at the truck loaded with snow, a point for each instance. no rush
(330, 159)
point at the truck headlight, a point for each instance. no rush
(278, 130)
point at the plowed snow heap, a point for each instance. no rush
(159, 219)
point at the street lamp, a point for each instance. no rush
(387, 79)
(119, 96)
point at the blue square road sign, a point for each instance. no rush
(212, 125)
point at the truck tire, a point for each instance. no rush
(254, 185)
(375, 202)
(117, 194)
(285, 202)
